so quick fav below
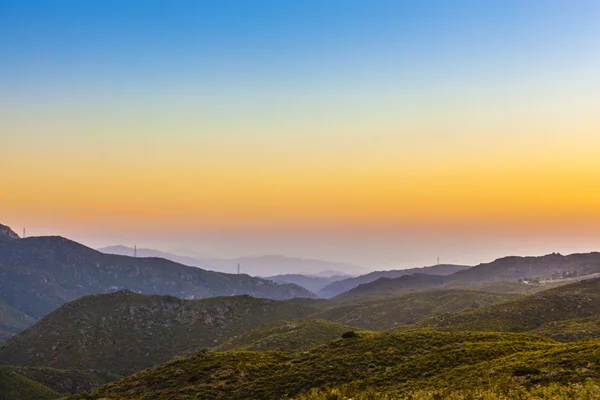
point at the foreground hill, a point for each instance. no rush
(39, 274)
(257, 265)
(385, 362)
(507, 269)
(345, 285)
(539, 310)
(124, 332)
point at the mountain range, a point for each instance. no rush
(266, 265)
(39, 274)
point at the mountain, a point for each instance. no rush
(39, 274)
(554, 267)
(256, 266)
(7, 234)
(379, 363)
(342, 286)
(124, 332)
(528, 313)
(312, 283)
(287, 336)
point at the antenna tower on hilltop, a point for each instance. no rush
(135, 250)
(238, 268)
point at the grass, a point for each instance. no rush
(16, 386)
(287, 336)
(577, 300)
(384, 362)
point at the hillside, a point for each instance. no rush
(267, 265)
(12, 321)
(345, 285)
(382, 361)
(48, 383)
(287, 336)
(408, 308)
(39, 274)
(577, 300)
(124, 332)
(312, 283)
(504, 271)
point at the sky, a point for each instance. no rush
(382, 133)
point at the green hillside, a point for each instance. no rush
(12, 321)
(366, 313)
(15, 386)
(577, 300)
(287, 336)
(124, 332)
(383, 361)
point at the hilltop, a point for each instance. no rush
(124, 332)
(7, 234)
(345, 285)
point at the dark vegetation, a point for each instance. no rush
(48, 383)
(124, 332)
(385, 362)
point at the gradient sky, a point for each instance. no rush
(384, 133)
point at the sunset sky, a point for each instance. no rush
(383, 133)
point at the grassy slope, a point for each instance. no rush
(578, 300)
(287, 336)
(124, 332)
(15, 386)
(12, 321)
(366, 313)
(372, 360)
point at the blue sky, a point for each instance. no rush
(271, 122)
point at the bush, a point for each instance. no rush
(349, 335)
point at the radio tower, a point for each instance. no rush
(135, 251)
(238, 268)
(23, 233)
